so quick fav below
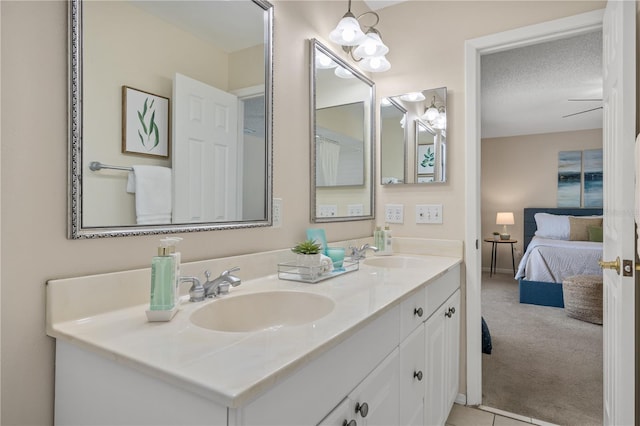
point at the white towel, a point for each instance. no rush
(153, 194)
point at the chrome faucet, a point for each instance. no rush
(196, 292)
(360, 253)
(220, 284)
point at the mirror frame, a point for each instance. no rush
(316, 45)
(75, 230)
(405, 142)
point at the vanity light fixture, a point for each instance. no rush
(324, 62)
(365, 47)
(412, 97)
(435, 116)
(343, 73)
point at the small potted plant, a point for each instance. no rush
(308, 253)
(496, 235)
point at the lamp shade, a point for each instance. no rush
(504, 218)
(371, 45)
(375, 64)
(347, 32)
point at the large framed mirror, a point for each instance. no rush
(342, 135)
(170, 116)
(421, 119)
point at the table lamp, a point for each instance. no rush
(504, 218)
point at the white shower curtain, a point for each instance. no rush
(328, 156)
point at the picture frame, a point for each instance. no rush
(426, 159)
(145, 123)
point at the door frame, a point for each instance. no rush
(474, 49)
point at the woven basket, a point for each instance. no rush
(583, 297)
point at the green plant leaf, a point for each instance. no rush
(157, 132)
(144, 108)
(144, 126)
(141, 138)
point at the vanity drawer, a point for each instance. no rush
(412, 312)
(439, 290)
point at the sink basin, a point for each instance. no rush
(395, 262)
(261, 311)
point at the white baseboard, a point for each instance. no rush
(461, 399)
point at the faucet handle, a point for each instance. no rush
(229, 271)
(207, 274)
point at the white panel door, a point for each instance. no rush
(204, 153)
(618, 146)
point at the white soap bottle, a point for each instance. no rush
(387, 246)
(172, 242)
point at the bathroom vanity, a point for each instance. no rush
(382, 348)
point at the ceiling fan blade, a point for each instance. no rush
(581, 112)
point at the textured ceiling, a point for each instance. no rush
(527, 90)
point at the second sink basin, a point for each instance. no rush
(261, 311)
(395, 262)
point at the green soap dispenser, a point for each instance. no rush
(163, 278)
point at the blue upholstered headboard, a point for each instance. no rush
(530, 222)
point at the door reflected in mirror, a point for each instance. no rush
(421, 119)
(211, 62)
(342, 132)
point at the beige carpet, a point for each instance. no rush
(544, 364)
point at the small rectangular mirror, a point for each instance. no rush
(422, 116)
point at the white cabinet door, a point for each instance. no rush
(435, 370)
(452, 356)
(342, 415)
(376, 400)
(412, 379)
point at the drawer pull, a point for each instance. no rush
(418, 311)
(417, 375)
(363, 409)
(351, 423)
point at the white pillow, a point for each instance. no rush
(552, 226)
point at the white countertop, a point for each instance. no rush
(232, 369)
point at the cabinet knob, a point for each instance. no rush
(351, 423)
(418, 311)
(453, 310)
(417, 375)
(450, 312)
(363, 409)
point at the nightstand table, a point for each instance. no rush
(494, 253)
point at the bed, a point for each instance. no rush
(551, 257)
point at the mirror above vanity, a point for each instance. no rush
(413, 137)
(170, 116)
(342, 135)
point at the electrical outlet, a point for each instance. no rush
(355, 210)
(277, 213)
(327, 210)
(429, 213)
(394, 213)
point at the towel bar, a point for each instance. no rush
(96, 165)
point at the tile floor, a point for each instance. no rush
(486, 416)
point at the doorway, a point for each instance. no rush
(474, 49)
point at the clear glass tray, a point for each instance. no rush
(313, 274)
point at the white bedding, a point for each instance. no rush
(553, 260)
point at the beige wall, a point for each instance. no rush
(519, 172)
(34, 153)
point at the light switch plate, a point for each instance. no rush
(355, 210)
(429, 213)
(394, 213)
(327, 210)
(277, 213)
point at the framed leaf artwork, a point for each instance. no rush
(145, 123)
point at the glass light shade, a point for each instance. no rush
(375, 64)
(370, 46)
(347, 32)
(440, 122)
(385, 102)
(344, 73)
(431, 113)
(412, 97)
(505, 218)
(324, 62)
